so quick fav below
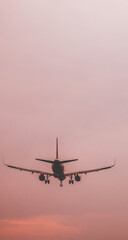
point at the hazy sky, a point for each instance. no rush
(64, 73)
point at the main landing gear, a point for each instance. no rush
(47, 180)
(71, 181)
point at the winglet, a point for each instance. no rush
(3, 159)
(114, 162)
(4, 162)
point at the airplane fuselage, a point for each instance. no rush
(58, 170)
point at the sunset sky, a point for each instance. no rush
(64, 73)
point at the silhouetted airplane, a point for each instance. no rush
(58, 170)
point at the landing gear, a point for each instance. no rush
(61, 185)
(47, 180)
(71, 181)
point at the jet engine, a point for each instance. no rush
(41, 177)
(77, 178)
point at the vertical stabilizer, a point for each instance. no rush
(56, 148)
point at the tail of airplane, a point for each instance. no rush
(56, 148)
(57, 156)
(49, 161)
(71, 160)
(44, 160)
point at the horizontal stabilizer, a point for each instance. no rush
(43, 160)
(66, 161)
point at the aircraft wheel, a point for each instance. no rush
(71, 181)
(47, 181)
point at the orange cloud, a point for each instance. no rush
(56, 227)
(36, 228)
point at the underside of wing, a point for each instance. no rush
(30, 170)
(89, 171)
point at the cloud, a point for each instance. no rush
(49, 227)
(93, 226)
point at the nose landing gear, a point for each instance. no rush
(61, 185)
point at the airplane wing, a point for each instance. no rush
(30, 170)
(89, 171)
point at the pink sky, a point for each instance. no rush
(63, 73)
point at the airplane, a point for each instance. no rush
(58, 170)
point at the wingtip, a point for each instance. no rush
(3, 159)
(113, 165)
(5, 164)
